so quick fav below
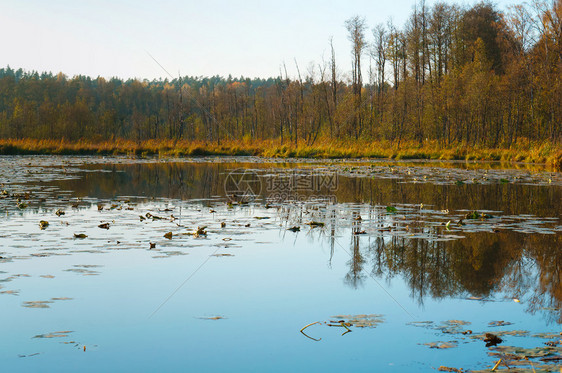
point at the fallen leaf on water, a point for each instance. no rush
(60, 334)
(200, 231)
(492, 340)
(212, 318)
(314, 224)
(37, 304)
(361, 321)
(449, 369)
(441, 345)
(168, 235)
(499, 323)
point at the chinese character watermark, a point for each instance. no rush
(242, 185)
(296, 186)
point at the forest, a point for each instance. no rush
(470, 75)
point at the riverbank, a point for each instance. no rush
(524, 151)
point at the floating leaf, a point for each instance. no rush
(441, 345)
(60, 334)
(361, 321)
(314, 224)
(37, 304)
(201, 231)
(492, 339)
(499, 323)
(211, 318)
(525, 352)
(449, 369)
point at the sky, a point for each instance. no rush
(249, 38)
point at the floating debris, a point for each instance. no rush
(492, 339)
(361, 321)
(60, 334)
(212, 318)
(37, 304)
(314, 224)
(453, 326)
(476, 215)
(449, 369)
(43, 224)
(441, 345)
(499, 323)
(200, 231)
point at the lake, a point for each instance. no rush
(248, 264)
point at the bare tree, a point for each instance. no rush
(356, 27)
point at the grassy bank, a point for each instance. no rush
(523, 151)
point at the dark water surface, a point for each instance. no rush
(405, 266)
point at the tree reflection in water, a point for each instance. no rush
(500, 258)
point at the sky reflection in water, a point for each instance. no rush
(250, 289)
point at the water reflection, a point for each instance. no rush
(427, 241)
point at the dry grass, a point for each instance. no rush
(523, 151)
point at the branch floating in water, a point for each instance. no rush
(306, 335)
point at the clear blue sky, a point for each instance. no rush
(245, 37)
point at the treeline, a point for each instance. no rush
(472, 75)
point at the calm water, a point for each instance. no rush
(404, 266)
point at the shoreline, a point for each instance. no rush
(523, 152)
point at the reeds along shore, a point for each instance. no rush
(524, 151)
